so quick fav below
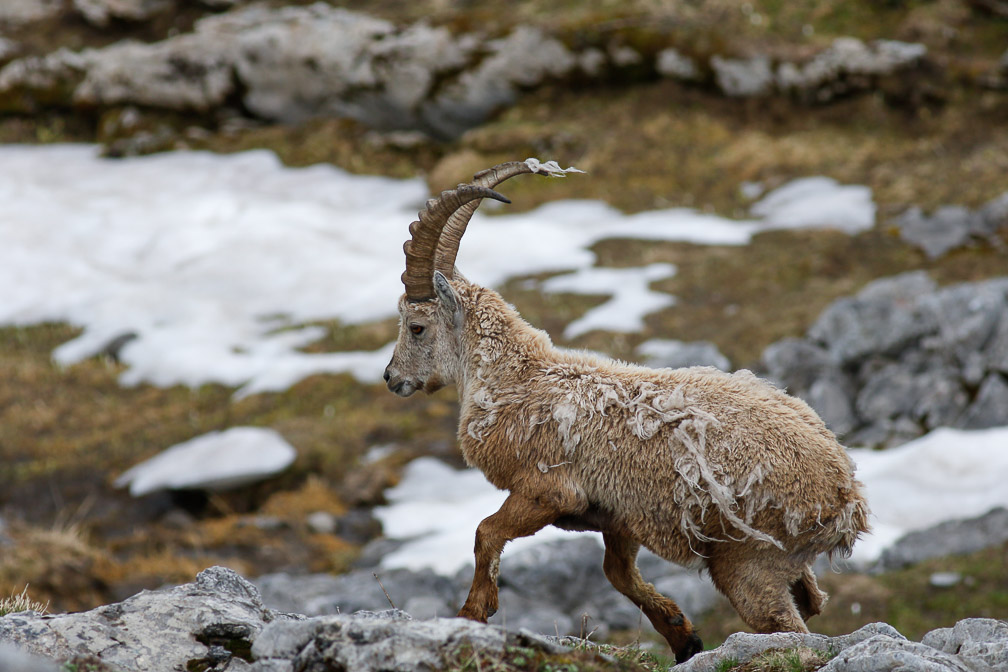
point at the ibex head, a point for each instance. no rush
(430, 316)
(426, 355)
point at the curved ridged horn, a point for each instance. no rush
(426, 231)
(447, 249)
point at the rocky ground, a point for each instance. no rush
(219, 622)
(888, 333)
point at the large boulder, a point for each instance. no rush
(219, 624)
(207, 623)
(102, 12)
(847, 65)
(553, 587)
(882, 318)
(951, 537)
(389, 641)
(421, 593)
(972, 645)
(293, 63)
(902, 357)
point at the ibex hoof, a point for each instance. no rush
(474, 614)
(693, 646)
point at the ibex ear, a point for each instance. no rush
(449, 301)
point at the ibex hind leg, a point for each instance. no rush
(620, 567)
(758, 584)
(807, 596)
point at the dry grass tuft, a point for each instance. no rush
(21, 602)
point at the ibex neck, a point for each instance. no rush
(500, 345)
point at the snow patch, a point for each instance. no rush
(632, 298)
(946, 474)
(817, 203)
(220, 264)
(214, 461)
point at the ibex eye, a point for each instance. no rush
(417, 329)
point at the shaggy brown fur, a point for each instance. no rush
(706, 469)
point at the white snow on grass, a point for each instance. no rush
(946, 474)
(632, 298)
(817, 202)
(217, 263)
(214, 461)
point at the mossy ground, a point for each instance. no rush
(65, 434)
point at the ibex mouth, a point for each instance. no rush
(403, 388)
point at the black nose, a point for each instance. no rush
(386, 376)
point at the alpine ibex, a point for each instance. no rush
(707, 469)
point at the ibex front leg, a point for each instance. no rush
(518, 517)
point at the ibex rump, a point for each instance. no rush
(706, 469)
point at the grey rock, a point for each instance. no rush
(831, 401)
(797, 364)
(429, 606)
(623, 56)
(100, 12)
(694, 593)
(885, 433)
(387, 641)
(358, 525)
(996, 349)
(523, 58)
(672, 63)
(8, 49)
(982, 643)
(592, 61)
(952, 226)
(36, 80)
(14, 659)
(519, 610)
(742, 78)
(933, 397)
(188, 72)
(882, 653)
(26, 11)
(846, 65)
(295, 63)
(321, 522)
(286, 638)
(948, 228)
(990, 408)
(993, 215)
(672, 354)
(952, 537)
(301, 62)
(743, 647)
(320, 594)
(157, 631)
(883, 318)
(967, 315)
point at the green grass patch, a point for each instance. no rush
(588, 657)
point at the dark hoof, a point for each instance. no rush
(491, 611)
(692, 647)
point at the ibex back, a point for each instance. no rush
(707, 469)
